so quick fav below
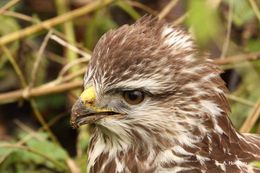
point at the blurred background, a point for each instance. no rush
(45, 47)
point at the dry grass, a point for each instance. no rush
(69, 80)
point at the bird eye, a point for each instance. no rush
(133, 97)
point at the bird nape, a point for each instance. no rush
(157, 104)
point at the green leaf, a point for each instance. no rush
(47, 102)
(242, 12)
(10, 25)
(96, 27)
(49, 148)
(21, 159)
(203, 19)
(253, 45)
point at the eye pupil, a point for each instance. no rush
(133, 97)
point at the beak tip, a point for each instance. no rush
(75, 113)
(74, 125)
(73, 122)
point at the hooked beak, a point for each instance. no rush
(84, 110)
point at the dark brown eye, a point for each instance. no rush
(133, 97)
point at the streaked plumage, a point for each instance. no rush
(182, 123)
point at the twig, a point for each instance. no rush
(26, 92)
(126, 6)
(28, 130)
(179, 20)
(15, 66)
(258, 128)
(29, 136)
(63, 38)
(38, 58)
(143, 7)
(63, 79)
(167, 9)
(62, 41)
(50, 89)
(255, 8)
(69, 46)
(17, 15)
(213, 4)
(38, 91)
(42, 121)
(72, 76)
(73, 166)
(8, 5)
(49, 55)
(55, 58)
(251, 119)
(232, 66)
(238, 58)
(239, 100)
(229, 27)
(71, 64)
(4, 157)
(68, 29)
(52, 22)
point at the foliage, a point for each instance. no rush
(37, 150)
(200, 11)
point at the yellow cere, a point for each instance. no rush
(89, 95)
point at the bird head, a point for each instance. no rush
(147, 80)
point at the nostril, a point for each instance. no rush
(90, 102)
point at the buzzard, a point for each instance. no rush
(157, 104)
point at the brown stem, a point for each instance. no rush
(238, 58)
(52, 22)
(251, 119)
(38, 91)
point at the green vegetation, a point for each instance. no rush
(44, 50)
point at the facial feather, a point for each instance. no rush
(182, 123)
